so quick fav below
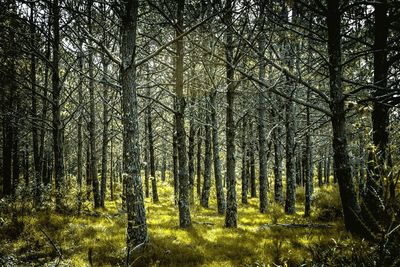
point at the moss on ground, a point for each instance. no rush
(99, 236)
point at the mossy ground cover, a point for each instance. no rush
(97, 238)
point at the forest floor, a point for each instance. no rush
(97, 238)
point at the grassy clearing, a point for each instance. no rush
(99, 237)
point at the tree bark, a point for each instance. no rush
(137, 227)
(221, 204)
(205, 195)
(56, 108)
(92, 123)
(184, 201)
(231, 202)
(150, 136)
(262, 116)
(245, 181)
(342, 168)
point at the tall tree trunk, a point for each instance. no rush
(164, 159)
(106, 121)
(262, 116)
(150, 136)
(308, 166)
(137, 227)
(278, 186)
(231, 202)
(57, 123)
(80, 124)
(175, 156)
(207, 161)
(184, 201)
(198, 160)
(92, 124)
(380, 112)
(35, 136)
(192, 134)
(146, 160)
(221, 204)
(252, 161)
(245, 181)
(15, 156)
(290, 159)
(342, 168)
(320, 182)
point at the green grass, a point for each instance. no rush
(206, 243)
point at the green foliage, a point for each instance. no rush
(327, 199)
(99, 236)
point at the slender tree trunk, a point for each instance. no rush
(57, 123)
(290, 160)
(137, 227)
(80, 124)
(164, 160)
(320, 182)
(252, 161)
(308, 166)
(262, 116)
(278, 186)
(106, 121)
(221, 204)
(198, 161)
(175, 156)
(150, 137)
(351, 209)
(245, 181)
(207, 161)
(231, 202)
(184, 201)
(35, 136)
(16, 161)
(88, 172)
(92, 124)
(147, 160)
(192, 134)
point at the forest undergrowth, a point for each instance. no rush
(97, 237)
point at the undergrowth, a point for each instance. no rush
(97, 238)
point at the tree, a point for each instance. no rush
(137, 227)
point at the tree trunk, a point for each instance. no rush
(35, 136)
(231, 208)
(192, 133)
(198, 160)
(104, 155)
(278, 187)
(57, 123)
(92, 124)
(245, 181)
(207, 160)
(221, 204)
(146, 160)
(164, 160)
(175, 156)
(342, 168)
(184, 201)
(252, 160)
(80, 123)
(150, 136)
(308, 166)
(262, 116)
(137, 227)
(380, 113)
(290, 159)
